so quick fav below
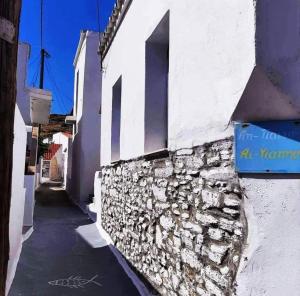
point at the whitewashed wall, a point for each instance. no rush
(18, 195)
(29, 200)
(86, 143)
(210, 64)
(23, 100)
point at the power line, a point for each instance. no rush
(41, 19)
(60, 97)
(56, 84)
(35, 76)
(98, 19)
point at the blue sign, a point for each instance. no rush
(267, 147)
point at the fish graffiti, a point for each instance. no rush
(74, 282)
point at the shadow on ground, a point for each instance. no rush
(62, 246)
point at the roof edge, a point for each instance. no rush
(83, 34)
(118, 14)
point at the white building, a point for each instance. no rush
(56, 163)
(86, 118)
(18, 194)
(176, 74)
(65, 139)
(29, 106)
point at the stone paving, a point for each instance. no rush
(58, 260)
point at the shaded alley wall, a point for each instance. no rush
(17, 196)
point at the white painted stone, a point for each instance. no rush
(211, 198)
(167, 222)
(158, 237)
(162, 205)
(232, 200)
(213, 288)
(185, 215)
(190, 258)
(213, 256)
(226, 224)
(202, 292)
(177, 242)
(215, 233)
(149, 204)
(192, 226)
(214, 159)
(216, 276)
(231, 212)
(206, 219)
(175, 281)
(164, 172)
(159, 193)
(218, 174)
(184, 152)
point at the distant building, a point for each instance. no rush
(57, 160)
(85, 119)
(178, 76)
(52, 164)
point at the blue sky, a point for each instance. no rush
(63, 20)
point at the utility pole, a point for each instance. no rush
(9, 33)
(44, 54)
(42, 68)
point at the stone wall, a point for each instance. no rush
(179, 220)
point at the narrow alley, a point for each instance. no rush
(58, 260)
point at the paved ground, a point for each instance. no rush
(56, 255)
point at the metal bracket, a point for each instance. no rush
(7, 30)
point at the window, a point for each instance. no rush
(77, 85)
(156, 88)
(116, 120)
(75, 127)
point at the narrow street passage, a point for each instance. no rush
(56, 260)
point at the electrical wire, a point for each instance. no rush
(52, 76)
(35, 77)
(98, 19)
(59, 94)
(42, 16)
(59, 101)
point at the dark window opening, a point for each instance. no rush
(116, 120)
(77, 86)
(156, 88)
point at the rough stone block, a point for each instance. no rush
(218, 174)
(183, 290)
(216, 234)
(231, 212)
(167, 222)
(159, 193)
(184, 152)
(158, 237)
(213, 289)
(191, 259)
(213, 159)
(201, 292)
(232, 200)
(164, 172)
(206, 219)
(149, 204)
(211, 198)
(192, 226)
(216, 276)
